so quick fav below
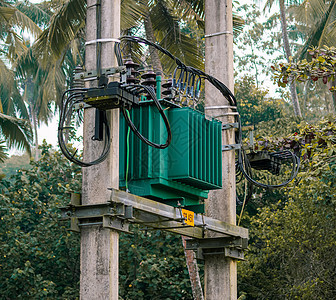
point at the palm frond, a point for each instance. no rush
(6, 75)
(23, 21)
(13, 17)
(17, 132)
(132, 13)
(11, 100)
(320, 17)
(35, 12)
(169, 35)
(64, 26)
(194, 8)
(6, 13)
(3, 149)
(238, 23)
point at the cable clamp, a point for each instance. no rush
(81, 105)
(107, 40)
(218, 33)
(231, 147)
(227, 114)
(220, 107)
(230, 125)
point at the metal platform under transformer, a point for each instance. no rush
(125, 208)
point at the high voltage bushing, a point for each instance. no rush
(168, 90)
(131, 71)
(149, 80)
(77, 81)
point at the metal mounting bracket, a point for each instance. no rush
(228, 246)
(108, 215)
(89, 75)
(157, 215)
(231, 147)
(125, 208)
(81, 105)
(230, 125)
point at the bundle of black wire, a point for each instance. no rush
(242, 163)
(186, 69)
(151, 92)
(76, 96)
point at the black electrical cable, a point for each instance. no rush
(66, 110)
(187, 75)
(151, 92)
(242, 159)
(218, 84)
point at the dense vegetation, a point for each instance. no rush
(39, 257)
(292, 253)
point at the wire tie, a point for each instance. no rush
(218, 33)
(220, 107)
(102, 41)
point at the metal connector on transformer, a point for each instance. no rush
(110, 97)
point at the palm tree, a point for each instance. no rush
(317, 20)
(14, 122)
(284, 32)
(162, 20)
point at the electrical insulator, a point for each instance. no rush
(77, 83)
(131, 71)
(168, 90)
(149, 80)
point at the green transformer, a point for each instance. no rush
(184, 172)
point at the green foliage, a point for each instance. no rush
(152, 266)
(11, 165)
(38, 256)
(3, 154)
(320, 66)
(254, 105)
(291, 253)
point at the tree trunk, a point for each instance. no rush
(333, 94)
(292, 87)
(35, 125)
(193, 272)
(154, 55)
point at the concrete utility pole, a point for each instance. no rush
(100, 246)
(221, 272)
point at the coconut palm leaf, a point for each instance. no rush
(3, 149)
(169, 35)
(39, 13)
(11, 16)
(319, 18)
(6, 13)
(10, 98)
(17, 132)
(195, 9)
(39, 84)
(132, 13)
(64, 26)
(69, 20)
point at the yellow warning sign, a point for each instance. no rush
(189, 217)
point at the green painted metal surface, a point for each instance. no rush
(181, 174)
(195, 152)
